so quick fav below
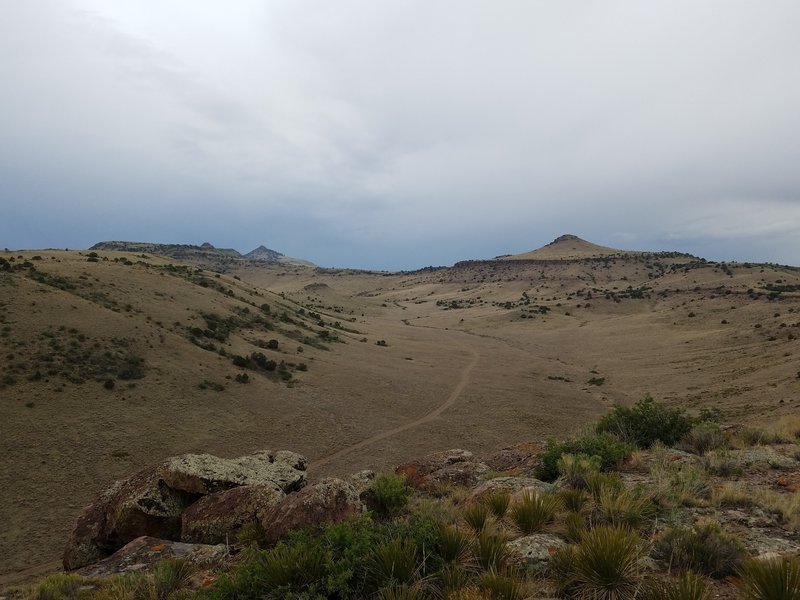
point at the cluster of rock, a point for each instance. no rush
(193, 506)
(201, 500)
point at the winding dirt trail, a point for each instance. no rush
(449, 401)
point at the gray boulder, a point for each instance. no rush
(533, 552)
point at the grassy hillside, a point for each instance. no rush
(113, 361)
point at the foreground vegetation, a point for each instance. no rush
(636, 511)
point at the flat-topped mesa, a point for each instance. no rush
(205, 255)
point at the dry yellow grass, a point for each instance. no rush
(475, 357)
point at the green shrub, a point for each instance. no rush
(608, 449)
(705, 548)
(703, 438)
(390, 494)
(775, 579)
(645, 423)
(533, 512)
(605, 565)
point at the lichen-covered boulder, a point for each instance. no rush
(83, 545)
(145, 552)
(328, 500)
(152, 501)
(218, 517)
(518, 460)
(206, 474)
(533, 552)
(457, 467)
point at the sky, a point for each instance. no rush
(402, 133)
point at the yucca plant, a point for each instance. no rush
(171, 575)
(394, 562)
(686, 586)
(629, 507)
(450, 579)
(605, 565)
(776, 579)
(600, 483)
(296, 568)
(533, 512)
(453, 544)
(573, 526)
(501, 586)
(476, 516)
(573, 500)
(705, 548)
(134, 585)
(403, 592)
(60, 586)
(574, 469)
(497, 502)
(489, 550)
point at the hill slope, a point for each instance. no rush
(396, 365)
(567, 246)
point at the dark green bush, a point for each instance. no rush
(389, 494)
(609, 450)
(645, 423)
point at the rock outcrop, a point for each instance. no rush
(218, 517)
(152, 502)
(328, 500)
(145, 552)
(457, 467)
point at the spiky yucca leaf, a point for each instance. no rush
(497, 502)
(452, 543)
(776, 579)
(489, 549)
(476, 516)
(603, 566)
(533, 512)
(394, 563)
(171, 575)
(501, 586)
(687, 586)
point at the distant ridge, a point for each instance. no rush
(265, 254)
(205, 254)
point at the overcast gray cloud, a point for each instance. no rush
(402, 133)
